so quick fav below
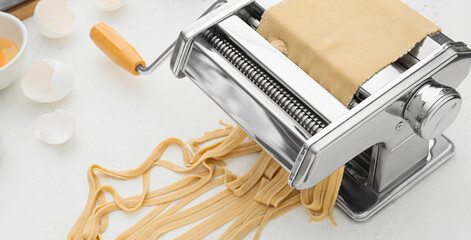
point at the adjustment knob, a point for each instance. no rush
(432, 109)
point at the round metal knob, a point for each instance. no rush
(432, 109)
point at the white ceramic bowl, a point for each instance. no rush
(14, 29)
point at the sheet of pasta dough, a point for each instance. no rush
(341, 43)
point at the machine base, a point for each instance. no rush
(441, 149)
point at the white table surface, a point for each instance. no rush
(121, 118)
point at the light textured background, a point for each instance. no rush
(121, 118)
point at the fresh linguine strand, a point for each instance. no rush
(252, 200)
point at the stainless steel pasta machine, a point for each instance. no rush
(389, 138)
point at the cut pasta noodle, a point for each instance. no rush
(262, 194)
(249, 201)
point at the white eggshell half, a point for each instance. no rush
(47, 81)
(54, 19)
(109, 5)
(55, 128)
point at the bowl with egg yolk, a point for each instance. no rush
(13, 40)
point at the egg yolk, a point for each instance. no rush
(1, 59)
(8, 51)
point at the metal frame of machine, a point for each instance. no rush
(389, 137)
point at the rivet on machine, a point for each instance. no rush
(306, 129)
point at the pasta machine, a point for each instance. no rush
(389, 137)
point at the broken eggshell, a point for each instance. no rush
(54, 19)
(109, 5)
(47, 81)
(55, 128)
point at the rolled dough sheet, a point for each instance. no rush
(341, 43)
